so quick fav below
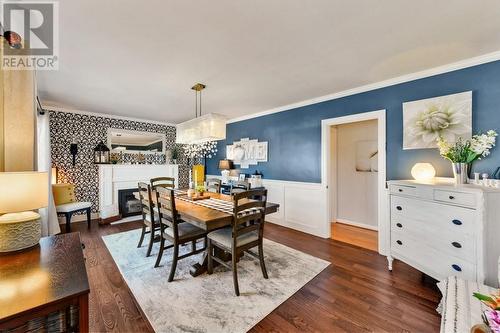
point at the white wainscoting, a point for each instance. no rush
(302, 206)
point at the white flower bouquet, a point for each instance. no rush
(467, 151)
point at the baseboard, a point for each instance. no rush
(357, 224)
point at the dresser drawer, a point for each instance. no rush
(454, 243)
(457, 198)
(403, 190)
(429, 260)
(434, 216)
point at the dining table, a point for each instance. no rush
(206, 218)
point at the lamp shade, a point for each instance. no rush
(226, 165)
(22, 191)
(423, 171)
(210, 127)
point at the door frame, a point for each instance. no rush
(330, 184)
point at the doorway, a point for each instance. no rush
(354, 161)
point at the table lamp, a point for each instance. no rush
(20, 194)
(225, 166)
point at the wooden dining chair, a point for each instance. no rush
(150, 216)
(213, 185)
(175, 232)
(168, 182)
(239, 187)
(246, 232)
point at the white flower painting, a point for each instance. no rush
(426, 120)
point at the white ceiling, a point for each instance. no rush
(140, 58)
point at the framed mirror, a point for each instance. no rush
(127, 141)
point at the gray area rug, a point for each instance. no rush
(207, 303)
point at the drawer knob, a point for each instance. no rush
(399, 208)
(400, 190)
(456, 267)
(399, 225)
(451, 197)
(399, 242)
(457, 222)
(457, 245)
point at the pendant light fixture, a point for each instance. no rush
(203, 128)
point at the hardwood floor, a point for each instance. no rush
(356, 293)
(365, 238)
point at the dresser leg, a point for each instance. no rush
(389, 262)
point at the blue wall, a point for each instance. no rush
(294, 135)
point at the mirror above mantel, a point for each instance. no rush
(133, 142)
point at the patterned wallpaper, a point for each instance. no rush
(87, 131)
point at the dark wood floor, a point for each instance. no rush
(355, 293)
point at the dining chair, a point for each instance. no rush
(175, 232)
(239, 187)
(213, 185)
(168, 182)
(150, 217)
(246, 232)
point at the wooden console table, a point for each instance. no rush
(45, 287)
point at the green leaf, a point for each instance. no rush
(482, 297)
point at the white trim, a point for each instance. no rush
(356, 224)
(105, 115)
(489, 57)
(380, 116)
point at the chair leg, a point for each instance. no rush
(68, 222)
(142, 236)
(261, 259)
(88, 218)
(210, 261)
(160, 253)
(193, 245)
(151, 241)
(174, 263)
(235, 274)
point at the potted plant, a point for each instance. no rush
(200, 190)
(463, 152)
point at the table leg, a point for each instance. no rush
(201, 266)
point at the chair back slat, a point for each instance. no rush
(165, 199)
(146, 201)
(166, 182)
(249, 212)
(239, 187)
(213, 185)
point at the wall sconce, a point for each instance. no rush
(73, 149)
(423, 171)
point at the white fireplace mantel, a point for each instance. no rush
(115, 177)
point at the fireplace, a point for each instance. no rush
(128, 205)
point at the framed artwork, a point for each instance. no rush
(367, 156)
(424, 121)
(247, 152)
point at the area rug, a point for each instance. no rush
(207, 303)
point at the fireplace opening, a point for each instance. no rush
(128, 205)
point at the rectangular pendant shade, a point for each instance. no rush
(210, 127)
(22, 191)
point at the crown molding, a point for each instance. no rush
(105, 115)
(470, 62)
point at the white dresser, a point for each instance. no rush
(443, 230)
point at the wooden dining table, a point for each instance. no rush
(208, 219)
